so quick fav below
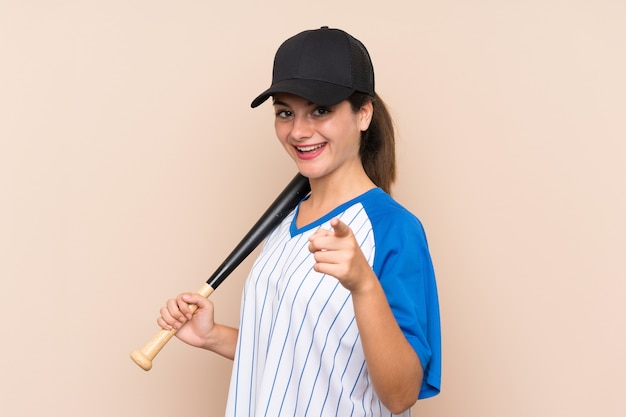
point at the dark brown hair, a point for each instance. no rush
(378, 143)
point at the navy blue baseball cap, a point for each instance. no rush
(324, 66)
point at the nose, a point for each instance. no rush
(302, 128)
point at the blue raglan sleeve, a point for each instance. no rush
(404, 267)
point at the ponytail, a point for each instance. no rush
(377, 151)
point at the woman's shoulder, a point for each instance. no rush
(383, 209)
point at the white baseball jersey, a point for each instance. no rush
(299, 351)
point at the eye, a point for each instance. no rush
(321, 111)
(283, 114)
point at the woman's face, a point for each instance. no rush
(322, 140)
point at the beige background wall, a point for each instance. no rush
(131, 163)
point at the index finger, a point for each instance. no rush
(340, 228)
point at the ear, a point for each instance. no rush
(365, 115)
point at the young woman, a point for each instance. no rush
(340, 314)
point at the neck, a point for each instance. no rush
(329, 193)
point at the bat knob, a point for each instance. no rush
(141, 359)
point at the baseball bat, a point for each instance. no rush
(286, 201)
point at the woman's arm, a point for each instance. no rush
(393, 364)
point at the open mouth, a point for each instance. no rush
(312, 148)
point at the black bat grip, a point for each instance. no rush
(286, 201)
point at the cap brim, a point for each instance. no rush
(318, 92)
